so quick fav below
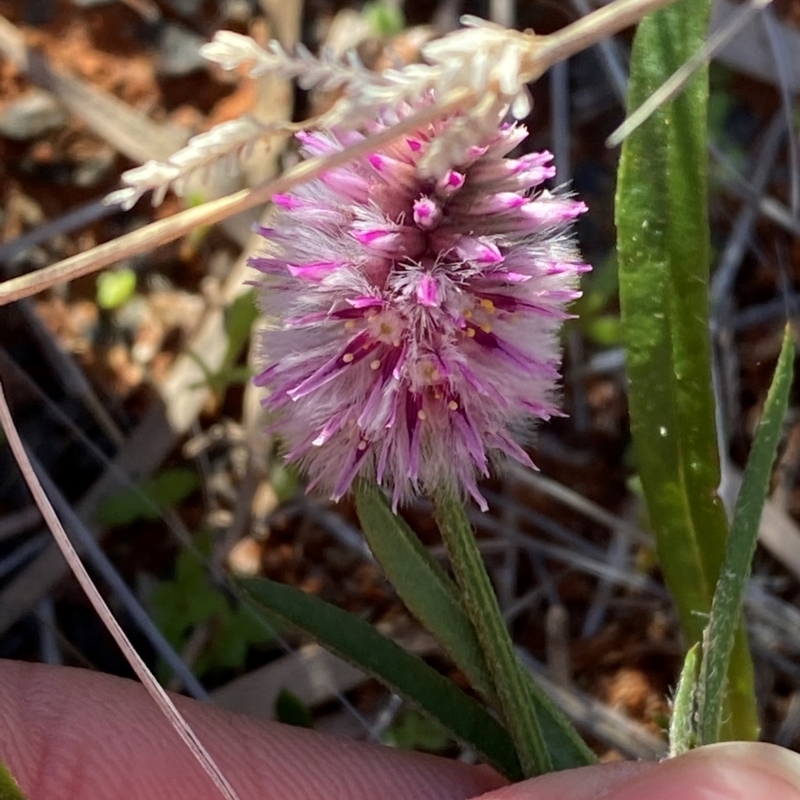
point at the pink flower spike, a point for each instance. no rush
(482, 251)
(450, 183)
(287, 201)
(413, 324)
(428, 292)
(314, 272)
(497, 203)
(427, 213)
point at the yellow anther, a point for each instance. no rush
(386, 328)
(488, 305)
(486, 327)
(349, 325)
(347, 358)
(452, 405)
(375, 364)
(471, 333)
(468, 314)
(421, 414)
(362, 445)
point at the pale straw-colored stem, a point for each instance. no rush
(589, 30)
(154, 689)
(544, 52)
(167, 230)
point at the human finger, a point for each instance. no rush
(67, 734)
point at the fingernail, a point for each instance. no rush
(767, 759)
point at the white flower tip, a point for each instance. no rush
(230, 50)
(126, 199)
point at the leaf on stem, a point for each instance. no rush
(682, 733)
(726, 608)
(426, 589)
(434, 599)
(356, 641)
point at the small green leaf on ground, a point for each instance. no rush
(291, 710)
(414, 731)
(191, 599)
(115, 288)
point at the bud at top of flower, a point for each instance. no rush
(412, 322)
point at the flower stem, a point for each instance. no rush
(512, 683)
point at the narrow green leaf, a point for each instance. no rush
(426, 589)
(728, 598)
(663, 249)
(240, 316)
(433, 598)
(9, 788)
(682, 733)
(358, 642)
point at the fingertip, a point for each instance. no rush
(765, 770)
(727, 771)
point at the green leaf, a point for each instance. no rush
(356, 641)
(682, 733)
(115, 288)
(433, 598)
(663, 252)
(414, 731)
(240, 316)
(191, 599)
(728, 598)
(385, 17)
(148, 500)
(9, 788)
(426, 589)
(291, 710)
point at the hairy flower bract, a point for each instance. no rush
(412, 322)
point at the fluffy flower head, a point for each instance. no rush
(412, 322)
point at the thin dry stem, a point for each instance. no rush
(158, 694)
(167, 230)
(545, 51)
(589, 30)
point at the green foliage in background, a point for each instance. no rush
(414, 731)
(385, 17)
(596, 315)
(291, 710)
(240, 316)
(115, 288)
(191, 599)
(149, 499)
